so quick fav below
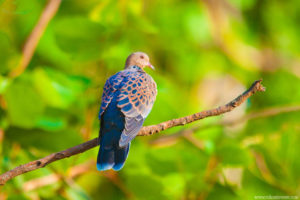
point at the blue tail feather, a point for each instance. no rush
(120, 157)
(105, 158)
(113, 157)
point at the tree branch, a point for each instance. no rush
(172, 138)
(148, 130)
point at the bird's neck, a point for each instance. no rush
(139, 68)
(135, 68)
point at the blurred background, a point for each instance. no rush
(56, 55)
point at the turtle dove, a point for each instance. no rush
(127, 99)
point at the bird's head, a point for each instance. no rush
(139, 59)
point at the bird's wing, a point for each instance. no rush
(111, 86)
(136, 98)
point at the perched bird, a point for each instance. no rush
(127, 99)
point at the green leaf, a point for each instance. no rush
(145, 187)
(57, 89)
(4, 83)
(8, 54)
(77, 194)
(43, 140)
(220, 192)
(49, 50)
(174, 185)
(17, 197)
(24, 105)
(233, 155)
(255, 186)
(80, 37)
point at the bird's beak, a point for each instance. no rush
(151, 66)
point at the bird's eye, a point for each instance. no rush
(142, 57)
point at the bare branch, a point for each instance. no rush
(256, 86)
(148, 130)
(35, 36)
(173, 138)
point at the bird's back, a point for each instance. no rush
(127, 99)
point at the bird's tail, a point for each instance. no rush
(121, 156)
(113, 157)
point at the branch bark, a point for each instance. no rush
(148, 130)
(186, 133)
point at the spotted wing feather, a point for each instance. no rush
(132, 127)
(111, 86)
(137, 96)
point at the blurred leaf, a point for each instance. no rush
(144, 25)
(162, 161)
(8, 55)
(53, 105)
(220, 192)
(27, 15)
(197, 25)
(243, 4)
(279, 89)
(4, 83)
(49, 50)
(17, 197)
(233, 155)
(42, 140)
(77, 194)
(79, 37)
(174, 185)
(24, 105)
(254, 186)
(57, 89)
(50, 123)
(145, 187)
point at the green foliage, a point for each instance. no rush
(205, 53)
(24, 107)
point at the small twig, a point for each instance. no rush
(171, 139)
(256, 86)
(35, 36)
(148, 130)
